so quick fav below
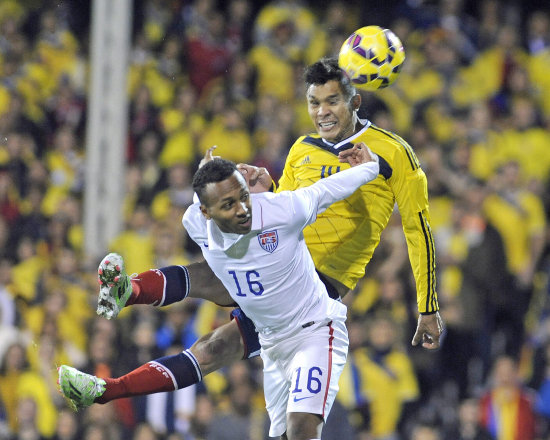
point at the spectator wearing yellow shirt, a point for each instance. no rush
(148, 148)
(135, 243)
(381, 377)
(178, 196)
(27, 271)
(524, 139)
(65, 164)
(57, 48)
(168, 247)
(17, 383)
(274, 58)
(486, 75)
(519, 217)
(229, 133)
(53, 317)
(182, 123)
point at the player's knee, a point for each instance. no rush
(206, 349)
(303, 426)
(216, 350)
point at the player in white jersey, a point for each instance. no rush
(255, 246)
(263, 262)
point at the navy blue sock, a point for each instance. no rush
(160, 287)
(177, 284)
(183, 367)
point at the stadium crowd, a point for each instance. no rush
(473, 100)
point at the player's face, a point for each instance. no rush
(331, 113)
(228, 204)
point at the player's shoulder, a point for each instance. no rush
(389, 146)
(271, 199)
(310, 148)
(275, 209)
(310, 139)
(302, 149)
(382, 139)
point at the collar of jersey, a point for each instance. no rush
(222, 241)
(345, 142)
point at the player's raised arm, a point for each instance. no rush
(343, 184)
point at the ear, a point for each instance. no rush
(356, 102)
(204, 211)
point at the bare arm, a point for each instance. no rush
(205, 285)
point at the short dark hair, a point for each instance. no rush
(327, 69)
(211, 172)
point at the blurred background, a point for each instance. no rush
(98, 156)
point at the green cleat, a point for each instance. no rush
(115, 286)
(80, 389)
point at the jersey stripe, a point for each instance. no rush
(317, 142)
(435, 305)
(407, 147)
(431, 302)
(410, 154)
(330, 339)
(385, 168)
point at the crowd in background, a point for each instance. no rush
(473, 100)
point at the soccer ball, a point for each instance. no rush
(372, 57)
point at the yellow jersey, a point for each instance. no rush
(344, 237)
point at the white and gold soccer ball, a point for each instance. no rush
(372, 57)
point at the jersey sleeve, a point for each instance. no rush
(323, 193)
(410, 187)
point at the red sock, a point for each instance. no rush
(147, 379)
(147, 288)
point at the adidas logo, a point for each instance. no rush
(122, 288)
(74, 393)
(305, 161)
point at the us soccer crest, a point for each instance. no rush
(268, 240)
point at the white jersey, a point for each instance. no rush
(269, 271)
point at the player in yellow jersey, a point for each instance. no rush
(341, 241)
(343, 238)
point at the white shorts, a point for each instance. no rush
(301, 373)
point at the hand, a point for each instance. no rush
(257, 179)
(357, 155)
(208, 156)
(428, 331)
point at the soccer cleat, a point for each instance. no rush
(80, 389)
(114, 286)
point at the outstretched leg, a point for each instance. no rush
(228, 343)
(158, 287)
